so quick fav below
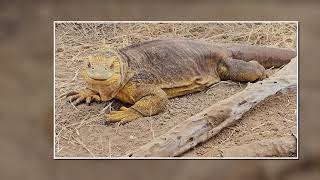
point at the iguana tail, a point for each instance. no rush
(266, 56)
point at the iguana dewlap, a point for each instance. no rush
(147, 74)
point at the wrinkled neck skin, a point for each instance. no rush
(109, 88)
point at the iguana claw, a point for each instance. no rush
(85, 95)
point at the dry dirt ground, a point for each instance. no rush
(80, 131)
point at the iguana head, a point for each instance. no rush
(101, 68)
(106, 75)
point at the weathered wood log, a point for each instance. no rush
(213, 119)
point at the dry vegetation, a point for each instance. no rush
(80, 130)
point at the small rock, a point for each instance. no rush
(60, 49)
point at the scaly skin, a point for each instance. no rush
(147, 74)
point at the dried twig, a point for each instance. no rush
(100, 138)
(151, 129)
(75, 75)
(232, 132)
(252, 129)
(73, 105)
(110, 152)
(108, 106)
(84, 146)
(118, 125)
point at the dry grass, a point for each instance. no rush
(95, 37)
(75, 41)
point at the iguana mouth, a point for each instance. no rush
(98, 79)
(99, 73)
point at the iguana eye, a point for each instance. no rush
(89, 65)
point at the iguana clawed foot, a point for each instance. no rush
(123, 116)
(85, 95)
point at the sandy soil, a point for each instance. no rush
(81, 132)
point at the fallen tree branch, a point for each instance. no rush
(213, 119)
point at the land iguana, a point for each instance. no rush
(146, 74)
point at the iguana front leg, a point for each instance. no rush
(147, 100)
(86, 95)
(123, 115)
